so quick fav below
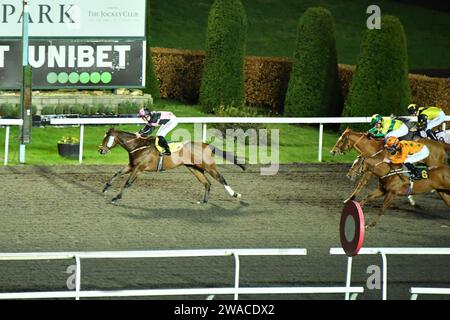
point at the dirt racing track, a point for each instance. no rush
(61, 208)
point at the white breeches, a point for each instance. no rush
(422, 154)
(436, 121)
(166, 128)
(400, 132)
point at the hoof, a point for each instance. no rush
(237, 195)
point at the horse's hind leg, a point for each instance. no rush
(445, 197)
(373, 195)
(119, 173)
(200, 175)
(133, 176)
(212, 170)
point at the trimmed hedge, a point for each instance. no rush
(179, 73)
(380, 84)
(223, 74)
(266, 79)
(314, 84)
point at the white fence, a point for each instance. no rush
(8, 123)
(394, 251)
(203, 121)
(234, 290)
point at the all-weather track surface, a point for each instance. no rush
(62, 208)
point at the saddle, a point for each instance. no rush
(173, 146)
(422, 171)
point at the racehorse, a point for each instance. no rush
(144, 156)
(392, 182)
(370, 147)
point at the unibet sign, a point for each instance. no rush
(75, 63)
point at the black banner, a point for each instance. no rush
(74, 64)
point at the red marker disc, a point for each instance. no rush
(352, 228)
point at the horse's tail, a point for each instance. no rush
(229, 156)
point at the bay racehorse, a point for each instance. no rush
(370, 147)
(392, 182)
(143, 155)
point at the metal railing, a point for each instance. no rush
(234, 290)
(8, 123)
(384, 252)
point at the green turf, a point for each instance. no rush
(296, 143)
(272, 26)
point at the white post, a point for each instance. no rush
(6, 145)
(236, 275)
(383, 256)
(320, 141)
(349, 277)
(204, 133)
(80, 156)
(22, 153)
(78, 277)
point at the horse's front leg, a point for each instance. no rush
(373, 195)
(390, 196)
(133, 176)
(361, 184)
(119, 173)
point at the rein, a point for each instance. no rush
(144, 147)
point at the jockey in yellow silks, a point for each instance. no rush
(427, 118)
(385, 127)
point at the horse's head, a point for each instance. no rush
(343, 143)
(356, 169)
(109, 141)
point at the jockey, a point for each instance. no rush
(427, 118)
(385, 127)
(406, 152)
(165, 119)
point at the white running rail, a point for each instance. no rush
(234, 290)
(415, 291)
(8, 123)
(384, 252)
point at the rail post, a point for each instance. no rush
(320, 142)
(6, 145)
(80, 155)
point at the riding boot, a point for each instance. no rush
(414, 173)
(431, 134)
(163, 144)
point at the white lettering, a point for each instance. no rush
(71, 57)
(58, 55)
(41, 56)
(374, 21)
(102, 56)
(85, 57)
(3, 49)
(122, 50)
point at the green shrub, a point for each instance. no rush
(59, 109)
(128, 108)
(76, 109)
(101, 109)
(223, 75)
(10, 110)
(47, 110)
(109, 110)
(380, 83)
(313, 89)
